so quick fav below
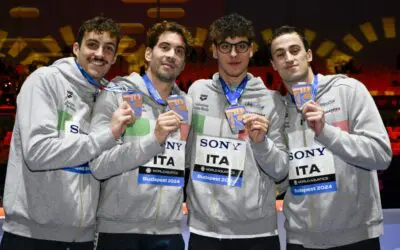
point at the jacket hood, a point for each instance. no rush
(68, 68)
(135, 82)
(325, 83)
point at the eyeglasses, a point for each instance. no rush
(240, 47)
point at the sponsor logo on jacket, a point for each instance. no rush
(200, 107)
(253, 105)
(332, 110)
(68, 101)
(219, 144)
(203, 97)
(328, 106)
(328, 102)
(298, 155)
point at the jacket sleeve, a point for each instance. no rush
(271, 154)
(366, 143)
(125, 156)
(189, 141)
(37, 118)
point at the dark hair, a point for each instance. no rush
(283, 30)
(154, 33)
(232, 25)
(99, 24)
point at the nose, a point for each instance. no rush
(289, 57)
(99, 52)
(171, 56)
(233, 52)
(171, 53)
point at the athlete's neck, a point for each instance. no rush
(232, 81)
(308, 78)
(162, 87)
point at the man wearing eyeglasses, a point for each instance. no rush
(238, 151)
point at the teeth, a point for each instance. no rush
(97, 63)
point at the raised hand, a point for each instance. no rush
(121, 118)
(315, 116)
(257, 126)
(166, 124)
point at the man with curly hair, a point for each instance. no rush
(50, 196)
(238, 151)
(143, 177)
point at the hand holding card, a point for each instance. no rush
(177, 104)
(135, 101)
(302, 93)
(234, 114)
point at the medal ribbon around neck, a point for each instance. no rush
(233, 96)
(89, 78)
(153, 91)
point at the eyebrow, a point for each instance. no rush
(97, 41)
(179, 46)
(294, 45)
(290, 47)
(92, 40)
(241, 41)
(278, 50)
(112, 44)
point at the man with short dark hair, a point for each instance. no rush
(337, 141)
(143, 177)
(50, 196)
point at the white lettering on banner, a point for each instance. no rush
(152, 179)
(159, 180)
(207, 177)
(219, 180)
(314, 189)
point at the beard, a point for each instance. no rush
(166, 76)
(297, 78)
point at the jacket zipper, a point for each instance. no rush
(303, 126)
(305, 144)
(78, 230)
(213, 201)
(158, 207)
(160, 189)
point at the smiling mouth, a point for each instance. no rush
(98, 62)
(170, 66)
(291, 66)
